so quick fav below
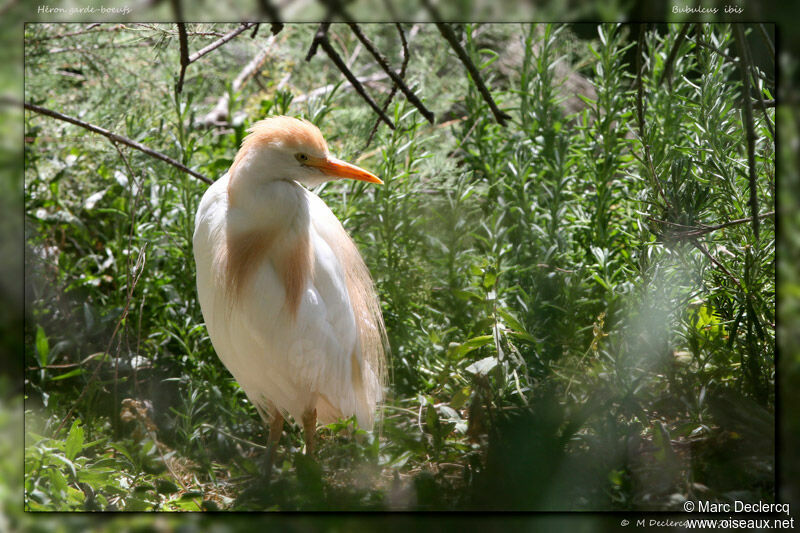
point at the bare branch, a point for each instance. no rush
(168, 32)
(715, 262)
(187, 59)
(474, 73)
(184, 44)
(695, 231)
(394, 86)
(744, 67)
(90, 49)
(116, 138)
(321, 39)
(131, 270)
(397, 79)
(322, 31)
(219, 42)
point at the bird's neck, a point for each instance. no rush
(269, 221)
(256, 204)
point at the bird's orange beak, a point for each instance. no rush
(341, 169)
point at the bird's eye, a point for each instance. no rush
(303, 158)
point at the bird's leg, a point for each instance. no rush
(310, 429)
(275, 430)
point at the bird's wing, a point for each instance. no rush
(353, 296)
(285, 359)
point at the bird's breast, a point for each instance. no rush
(246, 255)
(268, 235)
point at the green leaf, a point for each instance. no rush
(42, 346)
(72, 373)
(511, 321)
(522, 336)
(400, 460)
(61, 459)
(124, 451)
(74, 440)
(471, 344)
(460, 398)
(467, 295)
(600, 280)
(97, 477)
(59, 482)
(484, 366)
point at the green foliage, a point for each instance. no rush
(570, 326)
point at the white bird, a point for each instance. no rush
(287, 299)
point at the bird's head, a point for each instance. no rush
(286, 148)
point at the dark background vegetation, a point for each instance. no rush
(538, 311)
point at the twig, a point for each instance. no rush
(219, 42)
(451, 38)
(187, 60)
(749, 128)
(397, 79)
(234, 437)
(354, 55)
(117, 138)
(321, 39)
(168, 32)
(321, 32)
(716, 263)
(184, 45)
(696, 231)
(752, 70)
(393, 91)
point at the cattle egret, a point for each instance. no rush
(288, 301)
